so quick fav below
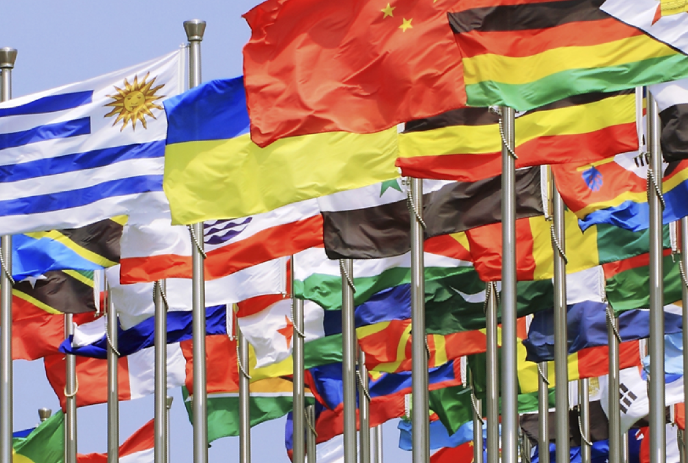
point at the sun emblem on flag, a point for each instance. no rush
(670, 7)
(134, 102)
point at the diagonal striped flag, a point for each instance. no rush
(87, 151)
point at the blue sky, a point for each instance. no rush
(64, 42)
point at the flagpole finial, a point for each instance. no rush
(8, 56)
(44, 413)
(194, 29)
(169, 401)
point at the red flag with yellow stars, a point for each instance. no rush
(360, 66)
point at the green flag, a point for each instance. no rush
(453, 406)
(45, 444)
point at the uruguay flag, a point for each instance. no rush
(87, 151)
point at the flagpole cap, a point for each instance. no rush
(7, 57)
(169, 401)
(44, 413)
(194, 29)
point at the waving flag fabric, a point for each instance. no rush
(159, 250)
(464, 144)
(136, 375)
(374, 222)
(92, 247)
(213, 170)
(65, 291)
(45, 444)
(529, 54)
(353, 66)
(87, 151)
(614, 191)
(138, 448)
(672, 101)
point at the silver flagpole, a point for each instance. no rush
(584, 417)
(194, 33)
(168, 404)
(492, 396)
(561, 371)
(656, 341)
(299, 403)
(684, 265)
(44, 414)
(509, 341)
(160, 432)
(419, 353)
(7, 59)
(112, 383)
(543, 412)
(614, 405)
(376, 438)
(364, 410)
(244, 400)
(477, 426)
(349, 360)
(70, 396)
(310, 437)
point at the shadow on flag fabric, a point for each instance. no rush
(44, 444)
(213, 171)
(87, 151)
(530, 54)
(353, 66)
(672, 101)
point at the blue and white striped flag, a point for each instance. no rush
(87, 151)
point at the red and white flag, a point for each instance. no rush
(137, 449)
(157, 251)
(136, 375)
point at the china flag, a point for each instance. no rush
(359, 66)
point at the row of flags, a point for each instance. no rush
(300, 158)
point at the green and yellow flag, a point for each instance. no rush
(45, 444)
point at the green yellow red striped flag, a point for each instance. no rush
(525, 54)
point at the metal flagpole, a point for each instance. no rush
(244, 399)
(477, 426)
(376, 437)
(70, 391)
(44, 414)
(656, 341)
(543, 411)
(348, 360)
(492, 396)
(561, 371)
(364, 410)
(419, 352)
(614, 405)
(509, 341)
(683, 262)
(584, 419)
(194, 33)
(7, 58)
(160, 432)
(299, 403)
(310, 437)
(112, 383)
(168, 455)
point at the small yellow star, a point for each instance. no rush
(388, 11)
(406, 24)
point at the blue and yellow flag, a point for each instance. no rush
(214, 171)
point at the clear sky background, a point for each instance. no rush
(61, 42)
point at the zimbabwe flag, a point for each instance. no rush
(465, 144)
(525, 54)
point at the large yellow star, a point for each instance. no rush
(406, 24)
(388, 11)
